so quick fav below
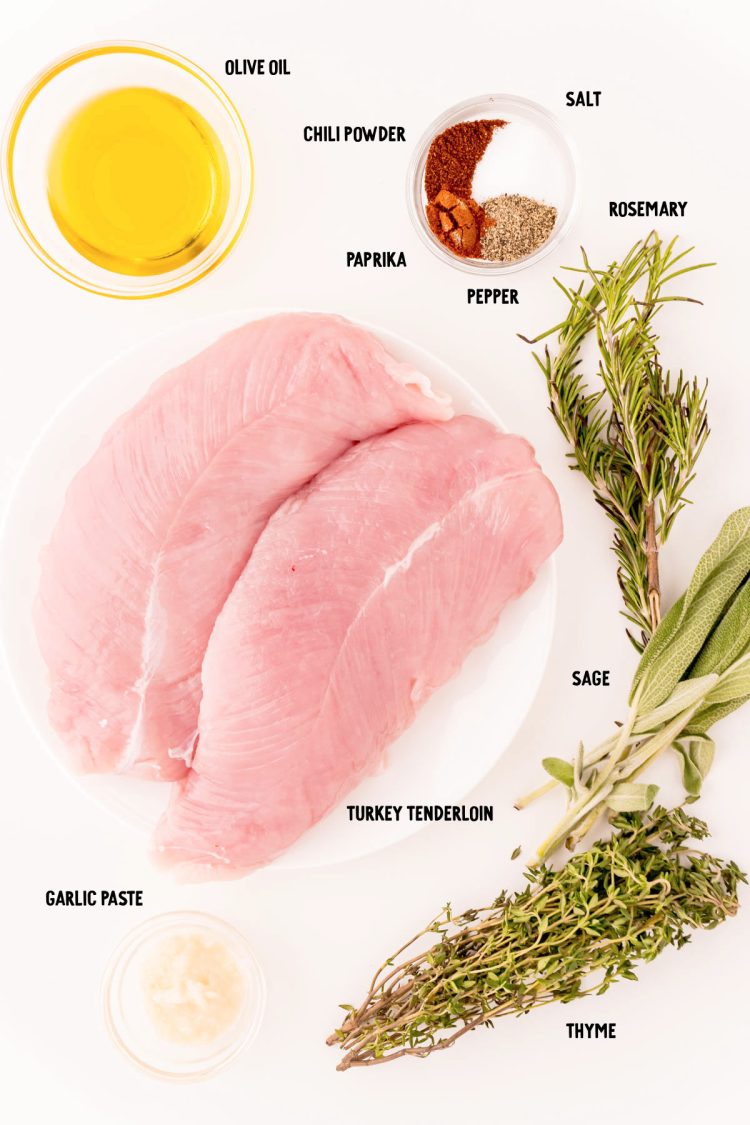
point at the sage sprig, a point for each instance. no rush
(681, 635)
(638, 435)
(695, 671)
(569, 933)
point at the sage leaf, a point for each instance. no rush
(697, 755)
(667, 630)
(730, 638)
(561, 771)
(684, 695)
(703, 752)
(730, 691)
(733, 684)
(632, 796)
(691, 778)
(681, 635)
(733, 536)
(577, 783)
(705, 718)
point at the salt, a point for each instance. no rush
(521, 159)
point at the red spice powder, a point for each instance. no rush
(454, 155)
(458, 223)
(454, 217)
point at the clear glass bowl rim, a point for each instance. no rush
(414, 187)
(170, 284)
(150, 928)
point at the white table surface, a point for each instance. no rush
(672, 125)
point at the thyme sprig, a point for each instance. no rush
(568, 933)
(637, 437)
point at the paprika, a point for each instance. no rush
(454, 216)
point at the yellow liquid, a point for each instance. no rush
(138, 181)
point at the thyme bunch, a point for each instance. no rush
(569, 933)
(638, 436)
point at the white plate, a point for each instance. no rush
(458, 735)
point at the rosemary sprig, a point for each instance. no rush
(638, 436)
(569, 933)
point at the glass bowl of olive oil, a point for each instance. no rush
(127, 170)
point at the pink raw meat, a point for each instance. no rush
(364, 593)
(159, 524)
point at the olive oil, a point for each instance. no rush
(138, 181)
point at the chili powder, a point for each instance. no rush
(454, 217)
(454, 155)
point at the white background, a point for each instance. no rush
(672, 125)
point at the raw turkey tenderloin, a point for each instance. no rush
(364, 593)
(159, 524)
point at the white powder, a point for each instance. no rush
(521, 159)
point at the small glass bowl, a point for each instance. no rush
(128, 1021)
(48, 102)
(510, 107)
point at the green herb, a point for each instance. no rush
(681, 636)
(695, 670)
(576, 930)
(568, 934)
(638, 436)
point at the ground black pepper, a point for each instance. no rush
(517, 227)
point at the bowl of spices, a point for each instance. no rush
(492, 184)
(183, 995)
(127, 170)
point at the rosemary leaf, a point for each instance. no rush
(638, 436)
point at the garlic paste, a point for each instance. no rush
(194, 989)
